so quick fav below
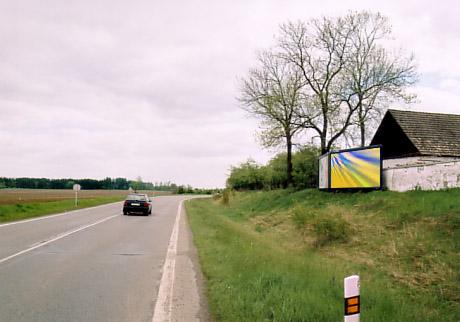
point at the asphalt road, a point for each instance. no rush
(98, 265)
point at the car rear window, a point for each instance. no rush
(136, 197)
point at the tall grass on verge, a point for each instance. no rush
(249, 278)
(282, 255)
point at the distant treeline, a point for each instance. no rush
(86, 184)
(105, 184)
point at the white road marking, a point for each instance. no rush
(55, 239)
(53, 216)
(163, 306)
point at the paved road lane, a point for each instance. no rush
(109, 271)
(17, 236)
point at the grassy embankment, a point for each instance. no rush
(18, 204)
(283, 255)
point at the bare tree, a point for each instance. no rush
(373, 76)
(330, 76)
(318, 50)
(272, 93)
(346, 75)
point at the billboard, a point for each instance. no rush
(355, 168)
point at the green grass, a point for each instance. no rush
(20, 211)
(273, 256)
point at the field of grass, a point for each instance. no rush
(282, 255)
(20, 211)
(18, 204)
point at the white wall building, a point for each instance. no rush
(420, 150)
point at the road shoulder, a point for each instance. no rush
(189, 301)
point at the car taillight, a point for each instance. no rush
(126, 203)
(146, 204)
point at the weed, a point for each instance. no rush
(225, 196)
(301, 216)
(329, 229)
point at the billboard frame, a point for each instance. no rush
(328, 155)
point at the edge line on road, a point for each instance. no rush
(55, 239)
(163, 305)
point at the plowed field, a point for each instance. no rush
(12, 196)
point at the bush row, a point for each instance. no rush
(252, 176)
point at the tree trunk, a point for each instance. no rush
(362, 124)
(324, 148)
(363, 133)
(290, 180)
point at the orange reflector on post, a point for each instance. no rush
(353, 301)
(352, 305)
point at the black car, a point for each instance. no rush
(137, 203)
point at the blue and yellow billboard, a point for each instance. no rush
(356, 168)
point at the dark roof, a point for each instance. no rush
(406, 133)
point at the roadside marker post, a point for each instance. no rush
(352, 302)
(76, 188)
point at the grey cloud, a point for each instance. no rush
(83, 83)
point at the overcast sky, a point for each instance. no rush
(128, 88)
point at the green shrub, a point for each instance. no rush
(329, 229)
(305, 168)
(253, 176)
(327, 225)
(301, 216)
